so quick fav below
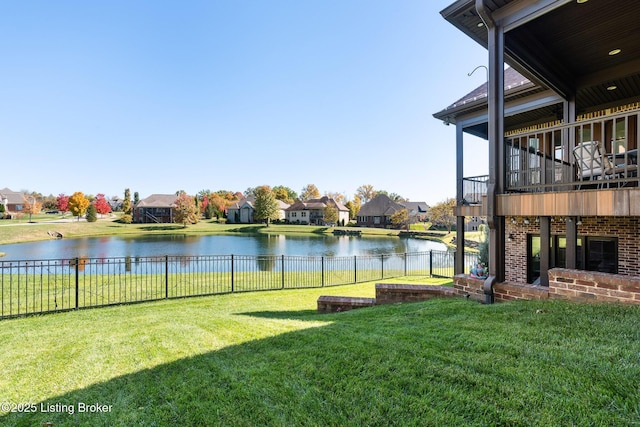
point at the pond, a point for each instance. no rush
(188, 245)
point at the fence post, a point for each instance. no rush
(231, 273)
(77, 280)
(405, 263)
(166, 276)
(430, 263)
(322, 270)
(355, 269)
(283, 271)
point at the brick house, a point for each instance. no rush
(378, 211)
(12, 201)
(561, 199)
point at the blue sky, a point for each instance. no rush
(159, 96)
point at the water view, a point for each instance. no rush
(254, 244)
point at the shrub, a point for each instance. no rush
(126, 219)
(92, 213)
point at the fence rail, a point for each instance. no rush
(47, 286)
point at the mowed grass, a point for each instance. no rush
(267, 358)
(20, 231)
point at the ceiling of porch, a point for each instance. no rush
(568, 48)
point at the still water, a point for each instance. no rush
(177, 245)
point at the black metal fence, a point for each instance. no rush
(46, 286)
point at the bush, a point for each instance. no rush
(92, 213)
(126, 219)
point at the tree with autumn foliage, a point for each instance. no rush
(62, 202)
(78, 204)
(366, 193)
(330, 215)
(400, 218)
(285, 194)
(309, 192)
(442, 214)
(354, 207)
(101, 204)
(30, 205)
(185, 211)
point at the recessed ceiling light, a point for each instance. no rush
(480, 24)
(614, 52)
(612, 87)
(581, 1)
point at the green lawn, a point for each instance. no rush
(19, 231)
(267, 358)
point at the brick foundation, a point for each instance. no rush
(333, 304)
(385, 294)
(468, 287)
(573, 285)
(391, 294)
(593, 286)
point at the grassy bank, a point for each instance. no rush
(269, 359)
(21, 231)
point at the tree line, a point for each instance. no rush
(214, 204)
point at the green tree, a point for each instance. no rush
(185, 211)
(483, 247)
(400, 218)
(136, 198)
(209, 211)
(330, 214)
(78, 204)
(92, 213)
(126, 204)
(266, 205)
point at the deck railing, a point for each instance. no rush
(47, 286)
(542, 159)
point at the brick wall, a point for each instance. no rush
(593, 286)
(391, 294)
(464, 285)
(626, 229)
(332, 304)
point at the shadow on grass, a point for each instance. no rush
(247, 229)
(413, 364)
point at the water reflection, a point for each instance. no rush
(181, 245)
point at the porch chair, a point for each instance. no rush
(590, 162)
(593, 165)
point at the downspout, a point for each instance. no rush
(495, 136)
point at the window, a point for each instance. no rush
(592, 253)
(376, 220)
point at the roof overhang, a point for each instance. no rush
(564, 45)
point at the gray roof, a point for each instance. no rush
(13, 197)
(158, 201)
(415, 208)
(320, 203)
(381, 205)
